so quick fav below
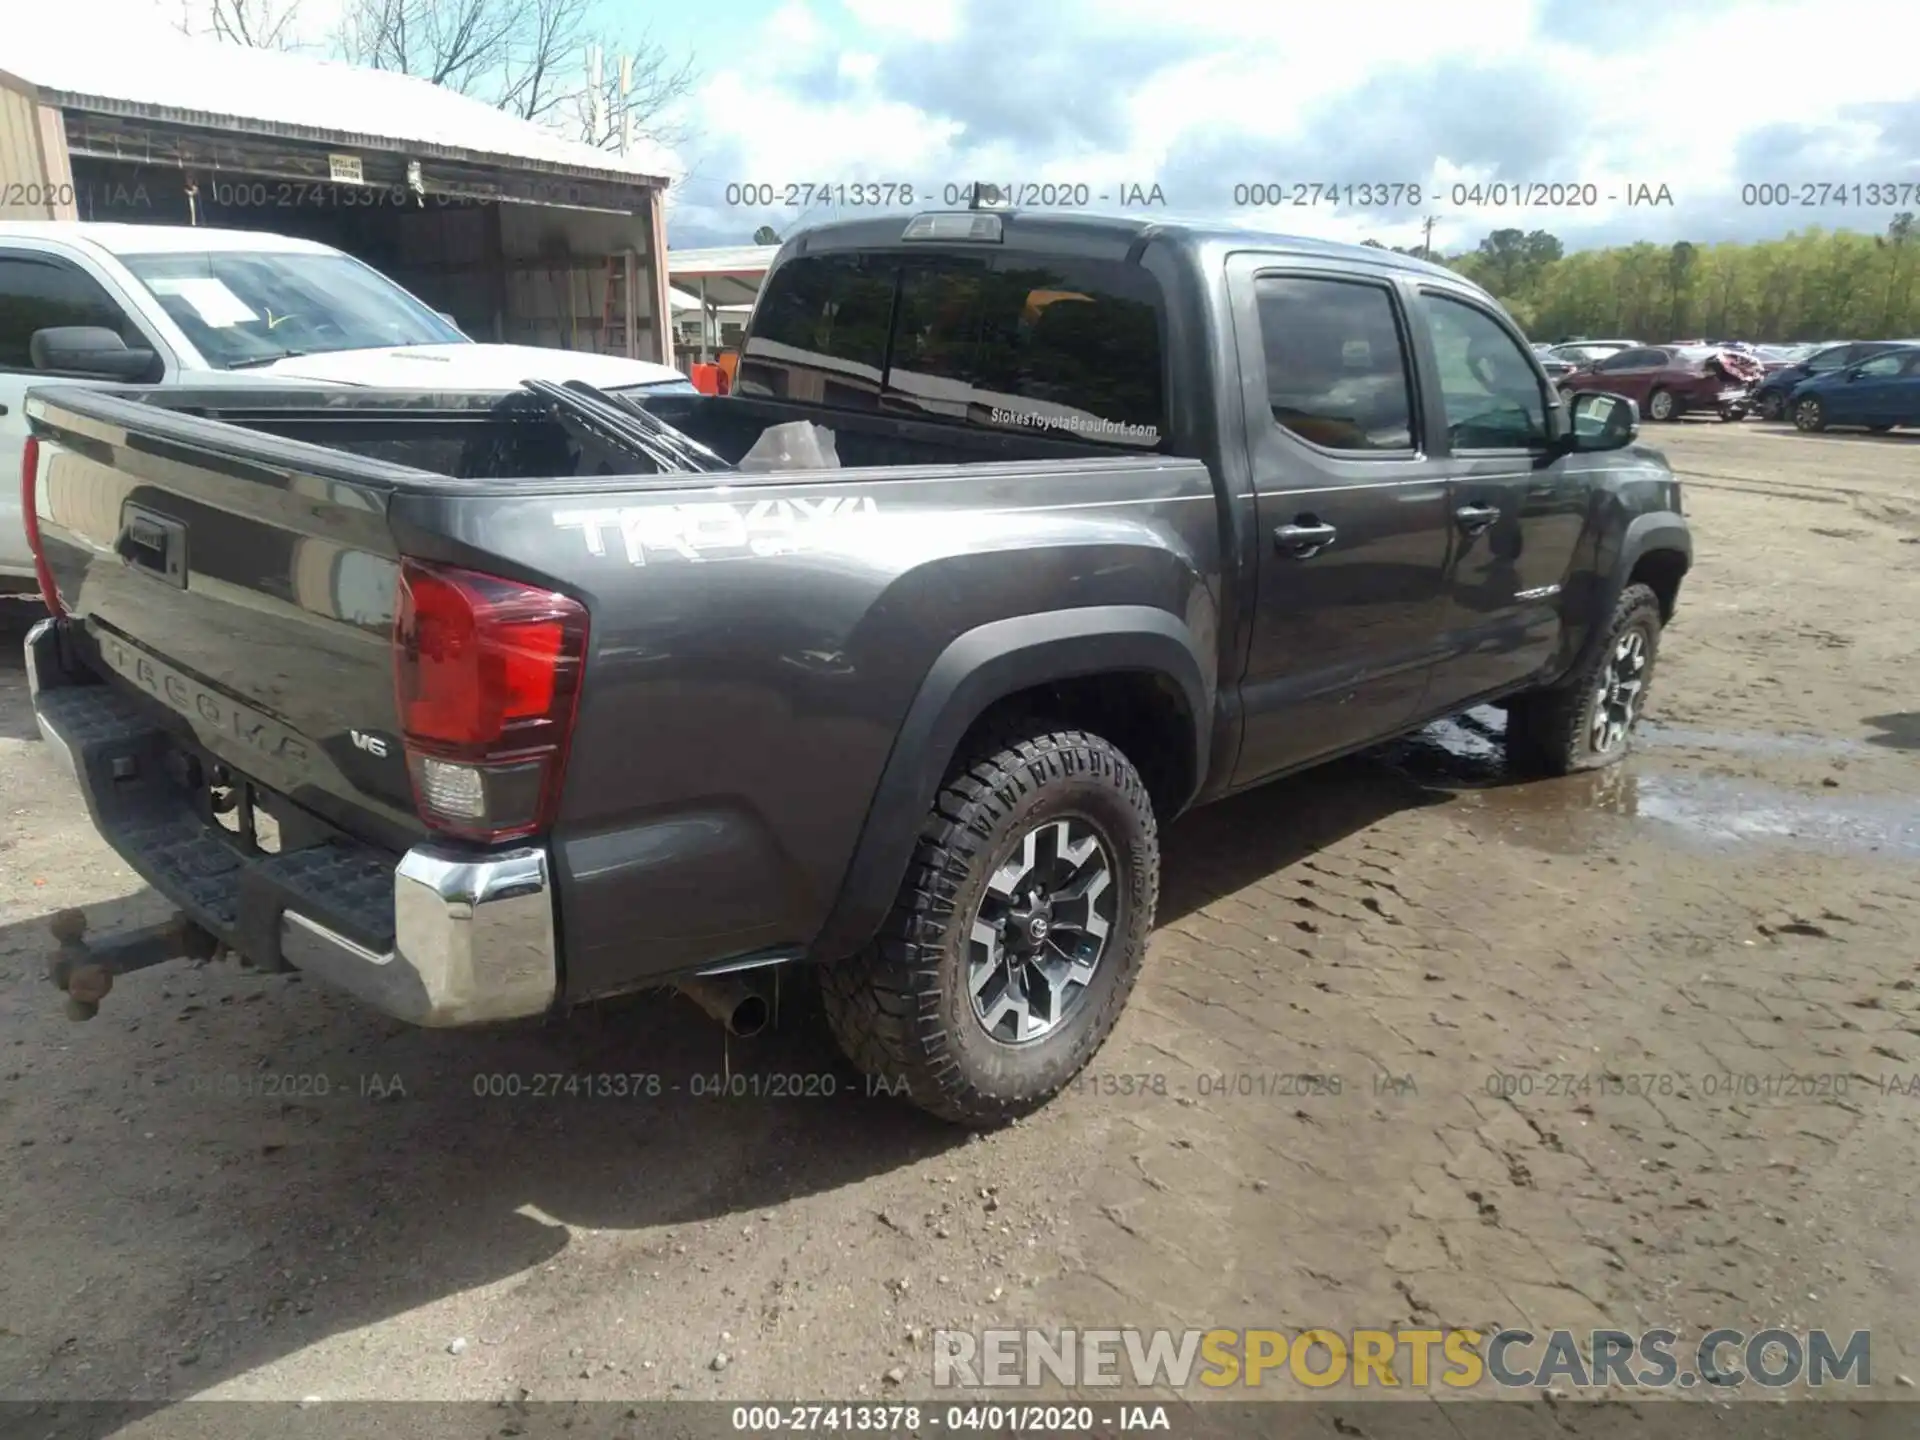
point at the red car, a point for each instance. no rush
(1668, 380)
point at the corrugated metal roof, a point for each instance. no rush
(721, 260)
(681, 300)
(161, 76)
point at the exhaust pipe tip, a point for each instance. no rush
(750, 1016)
(742, 1009)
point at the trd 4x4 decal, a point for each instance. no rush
(713, 531)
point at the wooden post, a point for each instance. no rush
(632, 299)
(657, 298)
(58, 172)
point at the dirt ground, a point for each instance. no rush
(1739, 900)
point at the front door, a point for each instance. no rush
(1873, 393)
(1351, 512)
(38, 290)
(1518, 505)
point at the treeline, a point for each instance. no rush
(1814, 285)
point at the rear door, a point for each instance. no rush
(1351, 512)
(1630, 373)
(1905, 393)
(1518, 506)
(1873, 393)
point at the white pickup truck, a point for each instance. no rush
(176, 305)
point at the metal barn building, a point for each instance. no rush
(520, 234)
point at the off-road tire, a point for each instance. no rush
(1550, 732)
(901, 1010)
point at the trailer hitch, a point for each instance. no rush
(85, 972)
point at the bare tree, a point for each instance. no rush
(528, 57)
(261, 24)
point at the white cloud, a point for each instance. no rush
(1197, 95)
(927, 19)
(1627, 95)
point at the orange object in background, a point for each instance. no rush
(729, 366)
(706, 379)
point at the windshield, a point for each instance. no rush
(243, 308)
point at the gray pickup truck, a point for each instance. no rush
(487, 707)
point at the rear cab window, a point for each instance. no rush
(1068, 347)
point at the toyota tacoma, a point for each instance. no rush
(1020, 535)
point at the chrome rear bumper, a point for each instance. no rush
(472, 932)
(473, 941)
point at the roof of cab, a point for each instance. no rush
(157, 239)
(1093, 227)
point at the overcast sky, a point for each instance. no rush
(1199, 97)
(1202, 96)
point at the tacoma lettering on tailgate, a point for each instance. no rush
(715, 530)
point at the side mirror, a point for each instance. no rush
(87, 350)
(1600, 421)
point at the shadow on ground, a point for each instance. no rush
(1898, 731)
(16, 718)
(444, 1185)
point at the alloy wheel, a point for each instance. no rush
(1623, 684)
(1041, 931)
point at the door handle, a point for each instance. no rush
(1475, 518)
(1305, 537)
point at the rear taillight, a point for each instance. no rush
(30, 517)
(487, 676)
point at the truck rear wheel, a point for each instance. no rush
(1017, 934)
(1587, 720)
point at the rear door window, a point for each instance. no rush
(1337, 364)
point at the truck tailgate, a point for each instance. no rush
(244, 583)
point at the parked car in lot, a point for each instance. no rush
(605, 708)
(175, 305)
(1557, 369)
(1879, 393)
(1584, 353)
(1770, 398)
(1668, 381)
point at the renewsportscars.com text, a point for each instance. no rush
(1507, 1359)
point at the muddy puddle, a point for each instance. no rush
(1583, 813)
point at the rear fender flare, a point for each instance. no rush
(982, 666)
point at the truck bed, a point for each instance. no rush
(231, 566)
(514, 437)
